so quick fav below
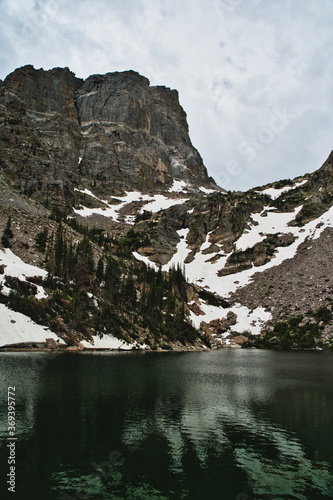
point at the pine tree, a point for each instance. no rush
(159, 277)
(151, 296)
(58, 251)
(7, 234)
(171, 304)
(69, 262)
(84, 267)
(112, 280)
(129, 292)
(49, 259)
(100, 270)
(41, 240)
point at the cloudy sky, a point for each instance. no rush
(254, 76)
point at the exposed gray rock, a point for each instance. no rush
(112, 132)
(135, 135)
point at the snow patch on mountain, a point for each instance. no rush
(204, 273)
(207, 191)
(107, 342)
(178, 258)
(155, 204)
(225, 285)
(146, 260)
(16, 268)
(275, 193)
(267, 223)
(161, 202)
(247, 320)
(178, 186)
(16, 328)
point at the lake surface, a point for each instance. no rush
(227, 424)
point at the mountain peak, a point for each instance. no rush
(134, 134)
(111, 131)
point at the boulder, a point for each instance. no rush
(51, 344)
(195, 309)
(239, 339)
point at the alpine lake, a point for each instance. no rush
(232, 424)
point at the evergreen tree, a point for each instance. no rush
(100, 270)
(69, 262)
(84, 264)
(112, 280)
(41, 240)
(50, 263)
(129, 292)
(58, 251)
(151, 296)
(159, 277)
(171, 304)
(7, 234)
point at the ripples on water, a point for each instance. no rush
(238, 425)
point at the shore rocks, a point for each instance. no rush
(51, 344)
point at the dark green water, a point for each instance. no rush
(229, 424)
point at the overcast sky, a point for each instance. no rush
(255, 77)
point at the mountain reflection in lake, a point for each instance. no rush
(228, 424)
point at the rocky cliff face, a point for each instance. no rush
(113, 132)
(134, 135)
(40, 134)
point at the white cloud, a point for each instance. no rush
(234, 62)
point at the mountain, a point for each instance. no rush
(111, 131)
(107, 203)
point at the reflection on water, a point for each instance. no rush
(227, 424)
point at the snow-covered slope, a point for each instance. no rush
(205, 273)
(205, 269)
(109, 342)
(274, 193)
(16, 268)
(154, 204)
(16, 328)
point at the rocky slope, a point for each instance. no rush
(265, 252)
(101, 174)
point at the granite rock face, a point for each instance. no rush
(112, 132)
(40, 134)
(135, 135)
(43, 91)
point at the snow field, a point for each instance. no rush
(263, 225)
(178, 186)
(107, 342)
(160, 202)
(16, 328)
(247, 320)
(16, 268)
(155, 204)
(208, 191)
(275, 193)
(204, 273)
